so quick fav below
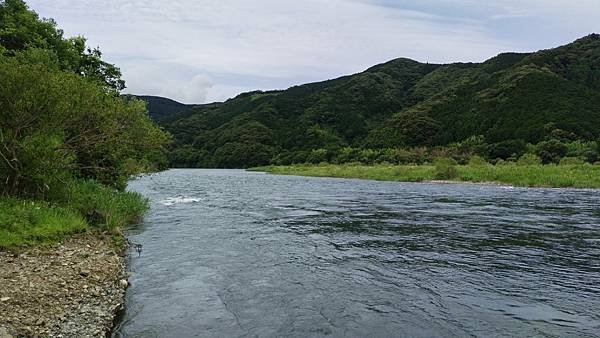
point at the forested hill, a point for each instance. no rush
(160, 108)
(503, 104)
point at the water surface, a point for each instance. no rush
(228, 253)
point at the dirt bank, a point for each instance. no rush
(70, 290)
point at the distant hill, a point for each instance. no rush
(160, 108)
(401, 103)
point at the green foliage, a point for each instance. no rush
(493, 109)
(529, 159)
(578, 176)
(506, 149)
(571, 161)
(445, 169)
(29, 222)
(55, 125)
(71, 207)
(100, 205)
(551, 151)
(38, 41)
(477, 161)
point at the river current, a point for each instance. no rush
(229, 253)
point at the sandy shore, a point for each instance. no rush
(70, 290)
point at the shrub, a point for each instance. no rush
(477, 161)
(529, 159)
(506, 149)
(571, 161)
(445, 169)
(551, 151)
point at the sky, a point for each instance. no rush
(200, 51)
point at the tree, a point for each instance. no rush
(56, 125)
(23, 34)
(551, 151)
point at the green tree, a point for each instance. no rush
(23, 34)
(55, 125)
(551, 151)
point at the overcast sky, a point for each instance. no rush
(198, 51)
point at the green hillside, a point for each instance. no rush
(160, 108)
(503, 103)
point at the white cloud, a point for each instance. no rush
(183, 48)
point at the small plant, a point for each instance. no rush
(529, 159)
(445, 169)
(477, 161)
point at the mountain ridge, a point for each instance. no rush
(401, 103)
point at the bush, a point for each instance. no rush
(506, 149)
(551, 151)
(572, 161)
(445, 169)
(529, 159)
(477, 161)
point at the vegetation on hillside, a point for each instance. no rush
(496, 109)
(68, 141)
(160, 108)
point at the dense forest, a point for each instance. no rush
(546, 103)
(68, 140)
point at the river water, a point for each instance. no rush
(228, 253)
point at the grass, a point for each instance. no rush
(557, 176)
(28, 222)
(102, 206)
(73, 208)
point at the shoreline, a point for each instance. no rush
(585, 176)
(72, 289)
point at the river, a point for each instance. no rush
(229, 253)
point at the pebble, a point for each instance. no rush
(55, 297)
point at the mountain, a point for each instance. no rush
(161, 107)
(513, 97)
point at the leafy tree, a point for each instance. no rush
(55, 125)
(24, 34)
(551, 151)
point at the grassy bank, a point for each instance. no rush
(560, 176)
(77, 207)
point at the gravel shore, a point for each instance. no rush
(69, 290)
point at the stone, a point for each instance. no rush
(4, 299)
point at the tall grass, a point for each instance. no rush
(28, 222)
(71, 208)
(560, 176)
(102, 206)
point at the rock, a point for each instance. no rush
(55, 293)
(123, 283)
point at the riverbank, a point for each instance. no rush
(554, 176)
(62, 270)
(73, 289)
